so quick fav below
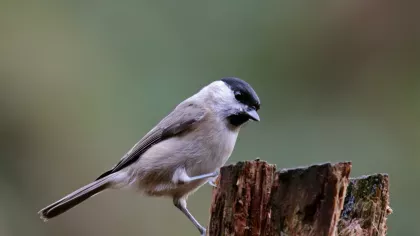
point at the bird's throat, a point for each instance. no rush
(238, 119)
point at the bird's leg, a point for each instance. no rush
(181, 177)
(181, 204)
(205, 176)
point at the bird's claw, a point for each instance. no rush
(212, 181)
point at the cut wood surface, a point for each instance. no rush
(252, 198)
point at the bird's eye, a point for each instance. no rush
(239, 96)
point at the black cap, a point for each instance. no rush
(244, 93)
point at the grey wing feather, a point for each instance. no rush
(182, 119)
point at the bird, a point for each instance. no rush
(184, 151)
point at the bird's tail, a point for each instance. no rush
(75, 198)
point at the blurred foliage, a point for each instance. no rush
(81, 81)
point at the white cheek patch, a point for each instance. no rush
(223, 99)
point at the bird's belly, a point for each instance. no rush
(153, 172)
(173, 190)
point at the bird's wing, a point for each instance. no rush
(184, 118)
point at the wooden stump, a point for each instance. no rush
(366, 207)
(253, 199)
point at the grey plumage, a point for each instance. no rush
(74, 198)
(181, 153)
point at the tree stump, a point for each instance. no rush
(253, 199)
(366, 207)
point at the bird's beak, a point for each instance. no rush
(252, 113)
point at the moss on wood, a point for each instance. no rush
(366, 206)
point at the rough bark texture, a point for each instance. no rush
(241, 200)
(253, 199)
(308, 201)
(366, 207)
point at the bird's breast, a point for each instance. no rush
(217, 146)
(227, 144)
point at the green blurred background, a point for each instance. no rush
(82, 81)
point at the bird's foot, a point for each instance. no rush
(212, 181)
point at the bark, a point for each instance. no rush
(366, 207)
(253, 199)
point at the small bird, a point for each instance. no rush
(182, 152)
